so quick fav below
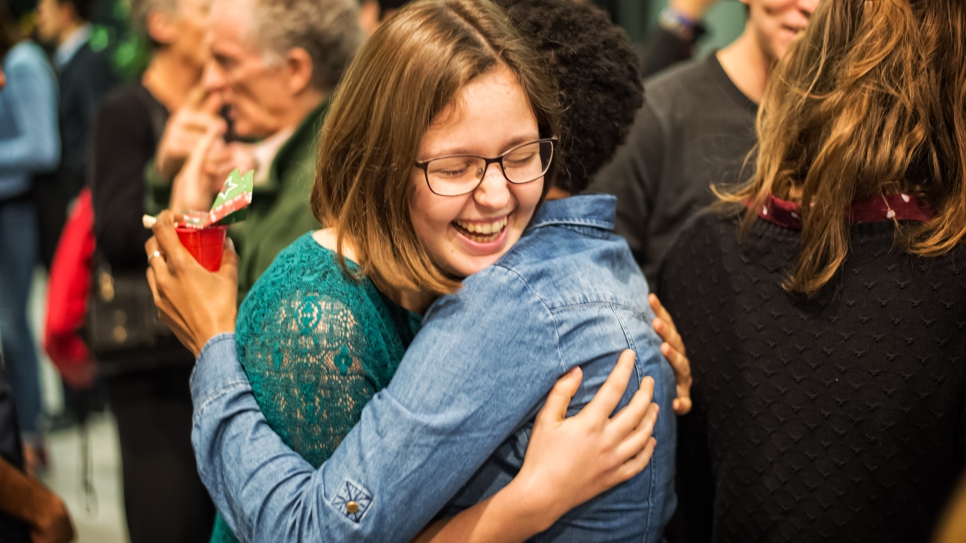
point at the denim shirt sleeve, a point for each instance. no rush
(31, 95)
(484, 359)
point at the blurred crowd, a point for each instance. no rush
(796, 199)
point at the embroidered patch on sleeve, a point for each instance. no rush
(352, 501)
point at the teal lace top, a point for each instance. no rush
(316, 346)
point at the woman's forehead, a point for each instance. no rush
(489, 111)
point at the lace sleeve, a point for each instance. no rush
(315, 348)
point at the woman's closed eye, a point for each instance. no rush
(450, 168)
(516, 160)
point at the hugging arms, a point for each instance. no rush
(411, 450)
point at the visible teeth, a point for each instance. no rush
(490, 229)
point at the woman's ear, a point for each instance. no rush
(161, 27)
(299, 65)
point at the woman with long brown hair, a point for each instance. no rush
(829, 335)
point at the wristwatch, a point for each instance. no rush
(678, 24)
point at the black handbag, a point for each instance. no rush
(122, 327)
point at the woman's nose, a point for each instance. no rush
(494, 191)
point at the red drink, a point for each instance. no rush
(205, 245)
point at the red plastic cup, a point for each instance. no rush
(205, 245)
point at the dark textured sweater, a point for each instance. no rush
(695, 130)
(838, 418)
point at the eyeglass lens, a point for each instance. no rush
(460, 174)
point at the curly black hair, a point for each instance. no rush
(598, 75)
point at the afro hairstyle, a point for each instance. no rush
(597, 73)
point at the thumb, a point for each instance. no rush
(195, 97)
(200, 153)
(555, 409)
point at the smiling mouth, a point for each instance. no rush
(481, 232)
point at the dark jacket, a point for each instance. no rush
(84, 81)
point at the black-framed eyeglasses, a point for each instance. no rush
(455, 175)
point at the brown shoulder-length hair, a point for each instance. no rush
(401, 79)
(870, 101)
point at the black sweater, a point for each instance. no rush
(695, 130)
(833, 419)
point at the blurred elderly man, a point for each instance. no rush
(274, 65)
(147, 380)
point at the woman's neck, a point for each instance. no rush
(170, 78)
(415, 301)
(746, 66)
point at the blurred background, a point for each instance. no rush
(97, 508)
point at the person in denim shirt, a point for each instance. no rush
(452, 426)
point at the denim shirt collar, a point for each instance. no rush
(595, 211)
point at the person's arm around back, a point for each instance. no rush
(392, 473)
(568, 461)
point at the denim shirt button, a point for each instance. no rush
(352, 508)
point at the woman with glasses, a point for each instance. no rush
(427, 198)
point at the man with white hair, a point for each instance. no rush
(274, 65)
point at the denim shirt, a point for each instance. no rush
(453, 425)
(29, 140)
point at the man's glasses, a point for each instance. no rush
(461, 174)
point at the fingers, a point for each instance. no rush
(555, 409)
(190, 189)
(158, 300)
(167, 242)
(195, 97)
(197, 123)
(682, 375)
(229, 268)
(674, 351)
(664, 324)
(637, 464)
(212, 103)
(631, 415)
(636, 440)
(200, 153)
(680, 363)
(611, 392)
(682, 404)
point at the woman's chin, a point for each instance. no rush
(472, 255)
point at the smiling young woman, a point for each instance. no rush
(488, 97)
(434, 159)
